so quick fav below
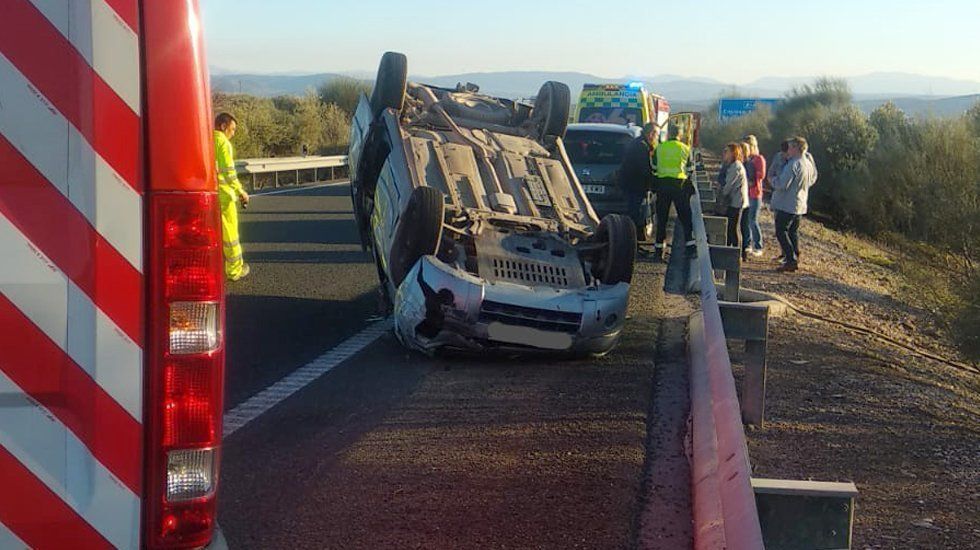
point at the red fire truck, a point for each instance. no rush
(111, 283)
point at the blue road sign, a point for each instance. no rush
(731, 108)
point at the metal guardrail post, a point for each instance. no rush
(750, 322)
(729, 260)
(725, 513)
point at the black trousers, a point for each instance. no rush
(735, 233)
(636, 210)
(788, 235)
(672, 191)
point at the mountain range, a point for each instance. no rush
(914, 93)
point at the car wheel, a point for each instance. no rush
(418, 233)
(389, 86)
(551, 107)
(615, 263)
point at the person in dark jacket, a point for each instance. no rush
(636, 174)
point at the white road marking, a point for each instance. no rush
(261, 402)
(297, 189)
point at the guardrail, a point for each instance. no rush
(725, 512)
(321, 169)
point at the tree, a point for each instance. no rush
(805, 104)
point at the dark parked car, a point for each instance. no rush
(482, 236)
(596, 152)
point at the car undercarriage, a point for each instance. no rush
(482, 234)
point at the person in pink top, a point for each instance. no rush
(755, 168)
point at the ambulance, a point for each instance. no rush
(629, 103)
(111, 282)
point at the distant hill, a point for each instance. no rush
(943, 106)
(916, 94)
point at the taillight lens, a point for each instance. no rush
(185, 381)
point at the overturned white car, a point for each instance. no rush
(482, 235)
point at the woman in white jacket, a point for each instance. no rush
(735, 192)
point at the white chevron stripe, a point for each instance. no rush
(68, 317)
(106, 42)
(60, 153)
(55, 456)
(10, 541)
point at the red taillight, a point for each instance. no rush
(186, 372)
(185, 344)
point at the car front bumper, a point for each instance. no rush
(437, 306)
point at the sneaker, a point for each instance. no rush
(757, 252)
(787, 268)
(246, 269)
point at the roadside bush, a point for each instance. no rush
(973, 116)
(841, 141)
(716, 133)
(892, 177)
(344, 93)
(281, 126)
(968, 320)
(260, 131)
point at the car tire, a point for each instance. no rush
(390, 84)
(615, 263)
(551, 108)
(419, 231)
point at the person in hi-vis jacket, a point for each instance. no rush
(230, 191)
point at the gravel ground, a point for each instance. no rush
(843, 406)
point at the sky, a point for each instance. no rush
(735, 42)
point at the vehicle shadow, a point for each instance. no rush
(300, 231)
(310, 257)
(270, 336)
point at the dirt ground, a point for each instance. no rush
(843, 406)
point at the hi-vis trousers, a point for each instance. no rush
(234, 263)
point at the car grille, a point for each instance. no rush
(544, 319)
(529, 272)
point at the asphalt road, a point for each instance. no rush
(393, 449)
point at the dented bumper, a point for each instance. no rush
(437, 306)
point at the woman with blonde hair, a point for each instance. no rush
(755, 171)
(735, 192)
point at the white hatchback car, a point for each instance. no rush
(482, 234)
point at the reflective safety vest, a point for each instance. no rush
(224, 157)
(671, 159)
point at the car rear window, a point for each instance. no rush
(590, 147)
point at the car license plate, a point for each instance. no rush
(595, 189)
(527, 336)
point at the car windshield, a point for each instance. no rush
(591, 147)
(610, 115)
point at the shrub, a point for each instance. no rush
(281, 126)
(344, 93)
(716, 133)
